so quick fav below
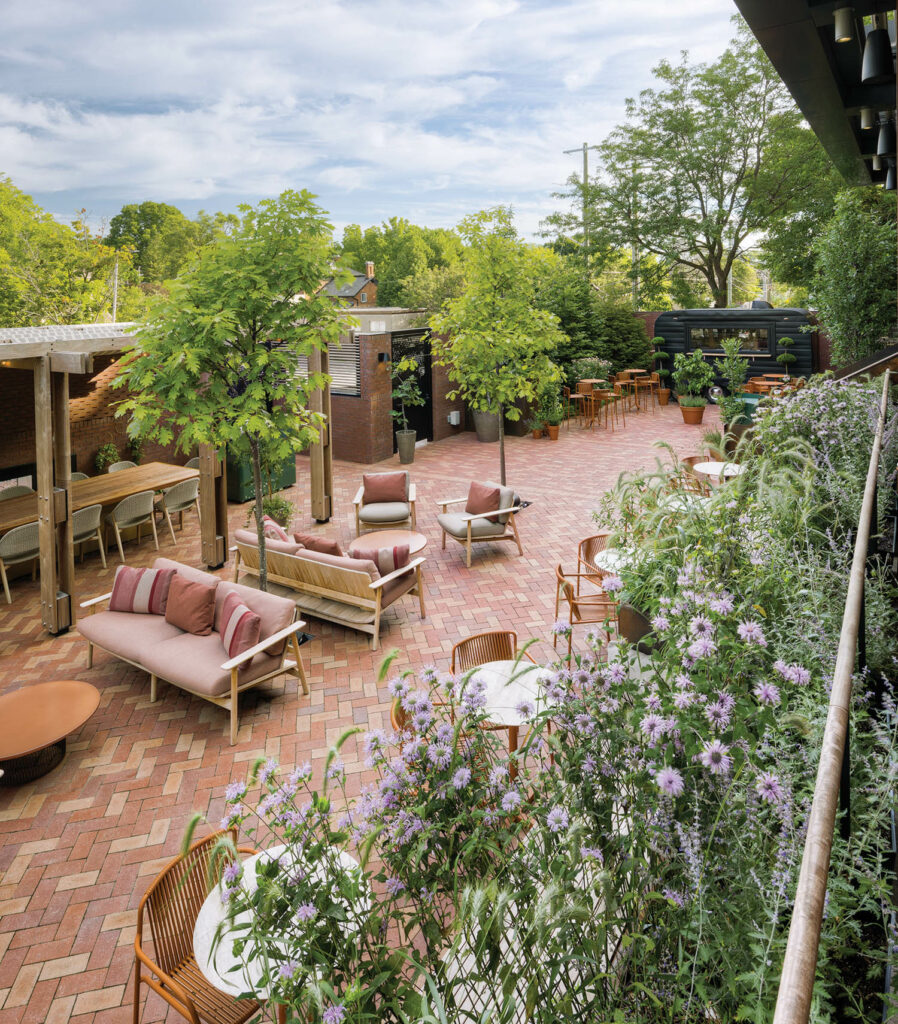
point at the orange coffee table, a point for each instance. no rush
(389, 539)
(34, 723)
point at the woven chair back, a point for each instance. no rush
(134, 509)
(590, 547)
(79, 476)
(124, 464)
(20, 543)
(181, 496)
(193, 463)
(86, 522)
(15, 492)
(497, 645)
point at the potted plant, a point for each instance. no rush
(406, 391)
(106, 455)
(536, 425)
(554, 415)
(658, 357)
(734, 370)
(549, 411)
(691, 375)
(786, 358)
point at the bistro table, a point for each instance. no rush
(106, 489)
(721, 470)
(217, 961)
(389, 539)
(508, 685)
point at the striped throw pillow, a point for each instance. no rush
(387, 560)
(272, 529)
(144, 591)
(239, 627)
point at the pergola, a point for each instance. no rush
(52, 353)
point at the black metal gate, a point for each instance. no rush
(416, 344)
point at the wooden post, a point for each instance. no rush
(62, 464)
(46, 515)
(213, 507)
(320, 455)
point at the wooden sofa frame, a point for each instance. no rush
(332, 582)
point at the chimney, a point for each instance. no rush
(369, 269)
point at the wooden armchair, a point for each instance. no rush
(171, 905)
(599, 609)
(397, 509)
(474, 529)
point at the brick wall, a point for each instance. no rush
(442, 406)
(362, 428)
(648, 319)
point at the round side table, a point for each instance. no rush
(390, 539)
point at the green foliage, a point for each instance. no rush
(659, 356)
(106, 455)
(406, 389)
(590, 368)
(735, 372)
(216, 361)
(691, 375)
(161, 239)
(786, 358)
(429, 288)
(279, 508)
(548, 406)
(855, 282)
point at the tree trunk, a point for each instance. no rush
(501, 444)
(260, 530)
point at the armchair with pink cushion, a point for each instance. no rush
(384, 501)
(488, 516)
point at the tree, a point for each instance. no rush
(161, 238)
(216, 362)
(493, 340)
(855, 281)
(706, 162)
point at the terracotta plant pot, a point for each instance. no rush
(553, 431)
(692, 414)
(663, 396)
(537, 432)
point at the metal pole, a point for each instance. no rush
(115, 291)
(584, 219)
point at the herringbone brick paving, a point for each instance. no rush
(79, 846)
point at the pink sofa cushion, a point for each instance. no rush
(127, 634)
(273, 530)
(274, 612)
(239, 627)
(383, 487)
(191, 606)
(312, 541)
(387, 560)
(194, 662)
(341, 562)
(482, 498)
(144, 591)
(286, 547)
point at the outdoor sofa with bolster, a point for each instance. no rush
(200, 664)
(348, 591)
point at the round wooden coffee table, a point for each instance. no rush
(34, 723)
(389, 539)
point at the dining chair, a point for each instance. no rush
(625, 382)
(690, 480)
(587, 550)
(79, 476)
(178, 499)
(21, 544)
(642, 385)
(494, 645)
(604, 399)
(171, 906)
(86, 526)
(596, 609)
(135, 510)
(16, 491)
(573, 401)
(114, 467)
(193, 463)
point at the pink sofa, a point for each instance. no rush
(199, 664)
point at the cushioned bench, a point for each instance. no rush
(200, 664)
(336, 588)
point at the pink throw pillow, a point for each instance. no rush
(387, 560)
(144, 591)
(191, 606)
(272, 529)
(315, 543)
(240, 627)
(482, 499)
(381, 487)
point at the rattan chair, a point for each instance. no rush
(171, 905)
(586, 559)
(135, 510)
(495, 645)
(15, 492)
(86, 526)
(193, 463)
(690, 480)
(21, 544)
(596, 609)
(178, 499)
(124, 464)
(79, 476)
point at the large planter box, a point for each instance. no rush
(240, 478)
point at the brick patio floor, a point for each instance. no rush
(79, 847)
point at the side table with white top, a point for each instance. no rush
(720, 470)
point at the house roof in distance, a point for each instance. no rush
(350, 290)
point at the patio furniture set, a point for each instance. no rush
(596, 399)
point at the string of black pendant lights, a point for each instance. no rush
(877, 68)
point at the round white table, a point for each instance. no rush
(612, 560)
(217, 964)
(508, 684)
(721, 470)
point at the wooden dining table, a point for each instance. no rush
(106, 490)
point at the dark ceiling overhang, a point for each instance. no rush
(824, 76)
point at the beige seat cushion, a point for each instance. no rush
(194, 662)
(385, 512)
(457, 526)
(128, 634)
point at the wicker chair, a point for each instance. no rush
(124, 464)
(691, 481)
(586, 559)
(15, 492)
(135, 510)
(20, 544)
(178, 499)
(86, 526)
(79, 476)
(590, 609)
(496, 645)
(193, 463)
(172, 904)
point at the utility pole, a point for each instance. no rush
(115, 291)
(585, 150)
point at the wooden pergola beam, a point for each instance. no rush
(321, 459)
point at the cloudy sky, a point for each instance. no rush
(427, 110)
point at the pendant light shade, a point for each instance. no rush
(844, 19)
(867, 119)
(890, 177)
(885, 144)
(876, 163)
(878, 67)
